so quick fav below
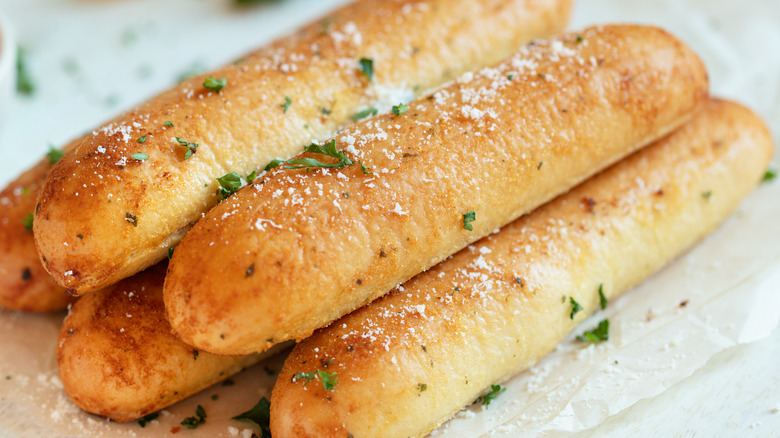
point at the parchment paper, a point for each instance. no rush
(729, 283)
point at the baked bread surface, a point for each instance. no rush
(118, 358)
(129, 211)
(24, 283)
(300, 248)
(408, 361)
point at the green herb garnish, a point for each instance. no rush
(575, 307)
(602, 298)
(213, 84)
(169, 124)
(191, 147)
(366, 66)
(770, 175)
(286, 104)
(707, 195)
(139, 156)
(259, 416)
(54, 155)
(328, 149)
(273, 164)
(329, 380)
(422, 387)
(229, 184)
(194, 422)
(27, 221)
(368, 112)
(308, 377)
(495, 390)
(599, 334)
(147, 418)
(400, 109)
(141, 139)
(170, 252)
(24, 81)
(468, 218)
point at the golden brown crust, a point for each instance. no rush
(495, 308)
(24, 284)
(299, 249)
(118, 358)
(130, 211)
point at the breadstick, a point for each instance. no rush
(24, 284)
(301, 248)
(118, 358)
(134, 188)
(407, 362)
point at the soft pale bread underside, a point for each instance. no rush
(495, 308)
(104, 215)
(299, 249)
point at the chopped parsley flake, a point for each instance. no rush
(329, 380)
(191, 147)
(770, 175)
(422, 387)
(325, 111)
(400, 109)
(170, 252)
(259, 416)
(510, 77)
(575, 307)
(24, 80)
(27, 221)
(148, 418)
(141, 139)
(273, 164)
(169, 124)
(229, 184)
(495, 390)
(327, 149)
(308, 377)
(707, 195)
(599, 334)
(139, 156)
(368, 112)
(602, 298)
(54, 155)
(366, 66)
(213, 84)
(194, 422)
(468, 218)
(286, 105)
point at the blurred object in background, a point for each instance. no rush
(8, 65)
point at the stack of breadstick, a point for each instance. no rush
(433, 241)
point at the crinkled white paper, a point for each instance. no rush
(680, 322)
